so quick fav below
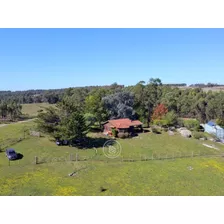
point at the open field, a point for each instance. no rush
(98, 175)
(32, 109)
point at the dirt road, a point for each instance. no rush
(19, 122)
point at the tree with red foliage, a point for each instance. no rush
(159, 112)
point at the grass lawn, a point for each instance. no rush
(14, 130)
(32, 109)
(103, 176)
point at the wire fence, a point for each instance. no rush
(141, 158)
(8, 142)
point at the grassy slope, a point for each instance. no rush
(14, 130)
(32, 109)
(168, 177)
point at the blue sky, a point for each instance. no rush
(59, 58)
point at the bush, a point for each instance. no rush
(170, 118)
(180, 122)
(162, 123)
(114, 132)
(193, 125)
(155, 130)
(220, 122)
(198, 135)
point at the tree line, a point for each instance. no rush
(10, 110)
(51, 96)
(81, 108)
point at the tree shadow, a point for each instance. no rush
(95, 129)
(157, 132)
(90, 143)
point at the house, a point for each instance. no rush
(121, 125)
(214, 129)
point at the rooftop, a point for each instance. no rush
(124, 123)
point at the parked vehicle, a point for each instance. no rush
(62, 142)
(11, 154)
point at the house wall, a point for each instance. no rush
(107, 127)
(123, 130)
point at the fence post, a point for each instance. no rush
(36, 160)
(76, 158)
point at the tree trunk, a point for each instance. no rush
(148, 118)
(100, 125)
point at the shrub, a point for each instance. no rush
(198, 135)
(170, 118)
(155, 130)
(162, 123)
(220, 122)
(159, 112)
(114, 132)
(180, 122)
(192, 125)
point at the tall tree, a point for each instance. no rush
(73, 127)
(95, 106)
(120, 105)
(49, 121)
(152, 95)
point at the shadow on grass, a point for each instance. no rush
(90, 143)
(95, 129)
(157, 132)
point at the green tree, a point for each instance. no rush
(73, 127)
(152, 96)
(49, 121)
(95, 106)
(171, 118)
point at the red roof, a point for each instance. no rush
(124, 123)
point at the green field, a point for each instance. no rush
(32, 109)
(98, 175)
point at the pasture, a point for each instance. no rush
(32, 109)
(95, 174)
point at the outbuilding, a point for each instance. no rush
(212, 128)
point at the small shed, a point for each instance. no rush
(212, 128)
